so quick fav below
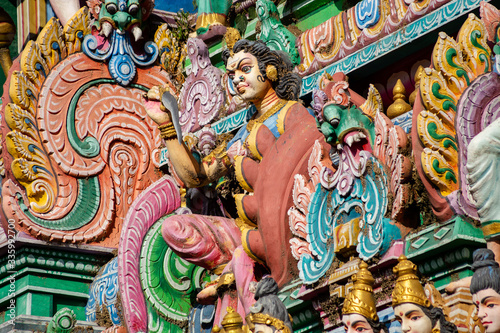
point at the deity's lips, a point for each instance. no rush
(242, 87)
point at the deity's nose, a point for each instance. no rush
(481, 313)
(123, 19)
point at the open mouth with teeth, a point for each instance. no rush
(355, 140)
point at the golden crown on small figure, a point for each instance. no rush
(359, 310)
(411, 306)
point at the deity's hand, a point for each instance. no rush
(156, 111)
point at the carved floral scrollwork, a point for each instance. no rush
(79, 154)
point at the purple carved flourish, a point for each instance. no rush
(203, 94)
(160, 198)
(478, 107)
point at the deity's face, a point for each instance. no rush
(354, 323)
(261, 328)
(487, 302)
(412, 318)
(248, 81)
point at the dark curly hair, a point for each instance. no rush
(486, 272)
(268, 302)
(288, 84)
(435, 315)
(376, 326)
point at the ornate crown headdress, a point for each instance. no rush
(408, 288)
(361, 300)
(231, 36)
(265, 319)
(231, 323)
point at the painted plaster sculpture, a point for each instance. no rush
(253, 68)
(442, 126)
(355, 28)
(359, 312)
(81, 191)
(338, 211)
(202, 95)
(485, 289)
(117, 23)
(273, 32)
(411, 306)
(479, 102)
(268, 314)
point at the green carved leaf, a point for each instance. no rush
(168, 282)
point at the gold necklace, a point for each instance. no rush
(275, 108)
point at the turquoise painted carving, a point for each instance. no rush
(357, 194)
(341, 212)
(121, 20)
(63, 321)
(168, 283)
(273, 32)
(104, 292)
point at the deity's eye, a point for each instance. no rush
(133, 9)
(491, 305)
(246, 69)
(112, 8)
(231, 76)
(415, 318)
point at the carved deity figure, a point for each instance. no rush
(411, 306)
(268, 314)
(485, 289)
(359, 313)
(265, 79)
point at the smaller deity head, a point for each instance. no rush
(485, 289)
(359, 313)
(254, 70)
(121, 15)
(411, 306)
(268, 314)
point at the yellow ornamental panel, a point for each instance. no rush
(33, 64)
(38, 182)
(439, 171)
(437, 97)
(52, 43)
(76, 29)
(448, 59)
(21, 120)
(472, 38)
(22, 91)
(435, 135)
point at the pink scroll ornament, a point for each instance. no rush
(160, 198)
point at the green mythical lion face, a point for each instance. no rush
(121, 14)
(347, 128)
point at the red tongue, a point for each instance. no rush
(357, 146)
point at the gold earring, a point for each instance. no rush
(271, 72)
